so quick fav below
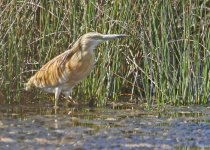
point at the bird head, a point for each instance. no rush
(90, 40)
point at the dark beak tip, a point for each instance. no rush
(123, 35)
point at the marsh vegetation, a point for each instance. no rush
(165, 60)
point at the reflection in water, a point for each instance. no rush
(103, 128)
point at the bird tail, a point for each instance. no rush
(29, 85)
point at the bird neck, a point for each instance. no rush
(88, 44)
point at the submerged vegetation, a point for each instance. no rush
(165, 59)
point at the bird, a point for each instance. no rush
(65, 71)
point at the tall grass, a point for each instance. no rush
(165, 59)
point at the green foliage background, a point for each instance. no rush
(165, 59)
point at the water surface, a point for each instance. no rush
(37, 127)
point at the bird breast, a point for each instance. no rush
(80, 65)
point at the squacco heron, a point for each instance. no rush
(65, 71)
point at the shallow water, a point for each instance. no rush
(27, 127)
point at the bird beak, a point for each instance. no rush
(112, 36)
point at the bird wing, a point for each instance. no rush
(60, 60)
(65, 56)
(49, 75)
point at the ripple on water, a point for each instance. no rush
(104, 128)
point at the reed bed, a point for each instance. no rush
(164, 61)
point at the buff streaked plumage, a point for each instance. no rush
(65, 71)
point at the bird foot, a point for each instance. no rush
(71, 102)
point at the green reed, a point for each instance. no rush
(164, 61)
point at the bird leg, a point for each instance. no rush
(57, 93)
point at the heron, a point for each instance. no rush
(65, 71)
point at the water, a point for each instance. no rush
(37, 127)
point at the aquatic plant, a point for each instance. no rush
(165, 59)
